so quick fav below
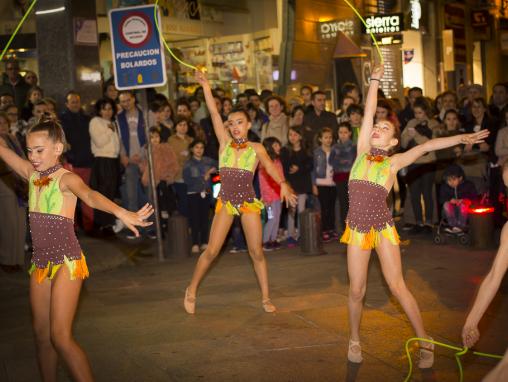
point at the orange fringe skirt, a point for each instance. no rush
(77, 269)
(247, 207)
(371, 239)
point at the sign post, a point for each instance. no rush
(138, 63)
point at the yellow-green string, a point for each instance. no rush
(371, 34)
(459, 353)
(164, 40)
(18, 27)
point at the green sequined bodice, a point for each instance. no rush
(46, 199)
(246, 161)
(375, 172)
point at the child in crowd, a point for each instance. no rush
(196, 174)
(297, 164)
(344, 154)
(58, 265)
(270, 195)
(456, 195)
(180, 142)
(355, 115)
(323, 185)
(165, 168)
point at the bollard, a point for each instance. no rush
(310, 233)
(178, 236)
(481, 222)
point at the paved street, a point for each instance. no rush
(133, 327)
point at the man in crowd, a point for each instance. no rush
(75, 124)
(317, 117)
(13, 83)
(498, 101)
(407, 113)
(306, 94)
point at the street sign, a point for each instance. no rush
(138, 55)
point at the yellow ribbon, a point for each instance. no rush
(371, 34)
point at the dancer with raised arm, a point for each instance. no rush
(488, 289)
(238, 159)
(369, 221)
(58, 264)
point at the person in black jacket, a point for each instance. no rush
(75, 124)
(456, 195)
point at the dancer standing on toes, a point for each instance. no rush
(238, 159)
(58, 265)
(369, 224)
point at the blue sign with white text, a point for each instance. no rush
(138, 55)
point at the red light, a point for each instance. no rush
(216, 178)
(481, 210)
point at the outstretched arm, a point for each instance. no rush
(73, 183)
(19, 165)
(405, 159)
(487, 291)
(370, 109)
(286, 193)
(218, 126)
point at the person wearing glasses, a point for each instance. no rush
(12, 82)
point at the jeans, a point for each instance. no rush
(456, 214)
(292, 213)
(133, 194)
(272, 224)
(83, 211)
(182, 204)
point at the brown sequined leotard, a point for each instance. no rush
(236, 174)
(52, 227)
(369, 218)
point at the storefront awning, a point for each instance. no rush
(345, 47)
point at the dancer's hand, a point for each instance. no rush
(201, 78)
(470, 335)
(133, 219)
(287, 195)
(472, 139)
(377, 72)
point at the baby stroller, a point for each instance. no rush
(444, 234)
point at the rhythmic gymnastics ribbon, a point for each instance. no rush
(17, 29)
(459, 353)
(374, 40)
(164, 40)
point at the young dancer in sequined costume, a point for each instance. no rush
(238, 159)
(58, 264)
(369, 221)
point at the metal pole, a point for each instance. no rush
(153, 186)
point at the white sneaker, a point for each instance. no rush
(164, 215)
(119, 225)
(195, 248)
(456, 230)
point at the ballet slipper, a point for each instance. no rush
(354, 353)
(189, 302)
(268, 306)
(426, 356)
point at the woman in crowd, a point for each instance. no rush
(105, 145)
(278, 123)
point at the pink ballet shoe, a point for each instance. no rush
(268, 307)
(189, 302)
(354, 353)
(426, 356)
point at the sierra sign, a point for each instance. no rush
(381, 24)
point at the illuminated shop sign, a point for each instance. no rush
(328, 30)
(416, 13)
(380, 24)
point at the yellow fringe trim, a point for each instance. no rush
(371, 239)
(247, 207)
(77, 269)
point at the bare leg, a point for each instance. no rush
(389, 256)
(64, 300)
(220, 228)
(47, 357)
(357, 267)
(251, 224)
